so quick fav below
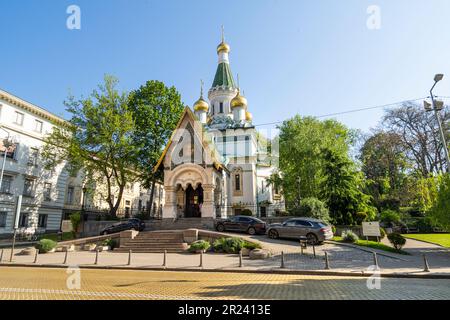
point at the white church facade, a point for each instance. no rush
(214, 164)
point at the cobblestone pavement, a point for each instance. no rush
(29, 283)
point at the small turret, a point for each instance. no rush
(201, 107)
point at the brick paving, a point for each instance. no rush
(29, 283)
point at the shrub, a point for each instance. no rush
(228, 245)
(246, 212)
(110, 243)
(397, 240)
(382, 233)
(75, 219)
(251, 245)
(390, 203)
(390, 217)
(361, 217)
(46, 245)
(199, 245)
(349, 236)
(313, 208)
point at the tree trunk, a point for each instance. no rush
(152, 193)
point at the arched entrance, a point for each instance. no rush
(194, 202)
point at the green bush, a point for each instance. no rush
(312, 208)
(46, 245)
(349, 236)
(360, 217)
(390, 217)
(228, 245)
(382, 233)
(199, 245)
(110, 243)
(246, 212)
(397, 240)
(75, 219)
(251, 245)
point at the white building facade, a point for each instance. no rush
(213, 165)
(49, 195)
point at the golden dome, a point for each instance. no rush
(201, 105)
(223, 46)
(239, 101)
(248, 116)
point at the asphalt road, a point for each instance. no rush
(66, 284)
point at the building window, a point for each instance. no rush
(28, 187)
(6, 184)
(10, 151)
(23, 220)
(19, 118)
(213, 107)
(237, 182)
(221, 107)
(70, 192)
(42, 222)
(47, 191)
(263, 212)
(3, 216)
(33, 160)
(38, 126)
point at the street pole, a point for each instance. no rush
(6, 146)
(441, 130)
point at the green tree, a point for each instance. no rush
(313, 208)
(342, 189)
(156, 111)
(301, 141)
(441, 209)
(385, 165)
(98, 138)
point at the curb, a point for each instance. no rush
(355, 274)
(378, 252)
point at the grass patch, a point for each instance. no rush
(442, 239)
(373, 245)
(66, 236)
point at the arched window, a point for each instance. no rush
(238, 185)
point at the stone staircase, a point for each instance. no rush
(181, 224)
(155, 242)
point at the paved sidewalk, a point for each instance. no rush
(34, 283)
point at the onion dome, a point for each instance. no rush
(201, 105)
(223, 47)
(239, 101)
(248, 116)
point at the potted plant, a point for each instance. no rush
(199, 246)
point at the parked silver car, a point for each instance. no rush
(316, 231)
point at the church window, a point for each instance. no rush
(213, 107)
(237, 179)
(221, 107)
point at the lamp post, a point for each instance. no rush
(436, 106)
(6, 144)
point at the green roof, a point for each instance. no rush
(224, 77)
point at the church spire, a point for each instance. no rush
(224, 76)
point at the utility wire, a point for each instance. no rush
(357, 110)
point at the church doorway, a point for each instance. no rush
(194, 202)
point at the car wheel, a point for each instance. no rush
(251, 231)
(312, 238)
(220, 227)
(273, 234)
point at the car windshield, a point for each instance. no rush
(321, 224)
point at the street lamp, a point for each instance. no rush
(6, 144)
(437, 106)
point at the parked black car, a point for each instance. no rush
(246, 224)
(130, 224)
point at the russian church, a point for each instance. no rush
(214, 165)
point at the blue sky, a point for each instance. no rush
(307, 57)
